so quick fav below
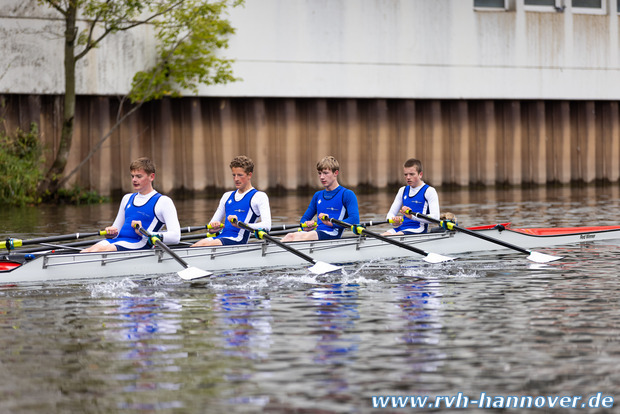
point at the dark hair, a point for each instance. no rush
(412, 162)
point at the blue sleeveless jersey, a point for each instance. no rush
(417, 204)
(334, 207)
(127, 238)
(243, 210)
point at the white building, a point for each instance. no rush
(444, 53)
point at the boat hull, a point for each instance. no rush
(262, 255)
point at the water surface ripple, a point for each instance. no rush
(289, 341)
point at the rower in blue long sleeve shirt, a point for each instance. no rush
(334, 200)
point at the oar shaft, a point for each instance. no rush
(263, 235)
(163, 246)
(12, 243)
(452, 226)
(378, 236)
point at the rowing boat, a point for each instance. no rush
(263, 254)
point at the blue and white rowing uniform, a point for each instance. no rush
(248, 208)
(340, 203)
(154, 210)
(422, 199)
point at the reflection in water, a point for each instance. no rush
(420, 309)
(246, 321)
(142, 323)
(336, 314)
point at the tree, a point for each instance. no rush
(189, 33)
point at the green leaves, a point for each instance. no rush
(20, 162)
(189, 36)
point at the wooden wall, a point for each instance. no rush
(192, 140)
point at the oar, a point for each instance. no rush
(357, 229)
(318, 267)
(532, 255)
(189, 273)
(291, 228)
(13, 243)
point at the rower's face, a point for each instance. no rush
(241, 178)
(141, 181)
(328, 178)
(412, 176)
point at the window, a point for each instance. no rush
(589, 6)
(543, 5)
(552, 3)
(491, 4)
(595, 4)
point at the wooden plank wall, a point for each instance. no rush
(461, 143)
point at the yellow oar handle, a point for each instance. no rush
(446, 224)
(258, 233)
(10, 244)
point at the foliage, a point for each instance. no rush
(21, 157)
(188, 33)
(77, 195)
(188, 38)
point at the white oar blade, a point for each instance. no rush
(320, 268)
(193, 273)
(437, 258)
(542, 258)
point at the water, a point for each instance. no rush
(289, 341)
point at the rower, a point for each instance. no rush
(145, 207)
(245, 204)
(334, 200)
(416, 196)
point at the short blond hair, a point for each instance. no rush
(328, 163)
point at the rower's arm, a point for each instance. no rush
(220, 213)
(349, 200)
(119, 221)
(433, 202)
(167, 211)
(396, 204)
(311, 210)
(260, 203)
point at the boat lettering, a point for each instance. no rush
(587, 236)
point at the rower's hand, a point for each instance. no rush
(233, 220)
(396, 221)
(309, 225)
(407, 213)
(136, 224)
(111, 232)
(325, 219)
(215, 226)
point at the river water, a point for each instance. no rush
(282, 342)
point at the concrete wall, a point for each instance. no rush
(461, 143)
(425, 49)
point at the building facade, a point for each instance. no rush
(482, 91)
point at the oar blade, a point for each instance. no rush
(542, 258)
(437, 258)
(320, 268)
(193, 273)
